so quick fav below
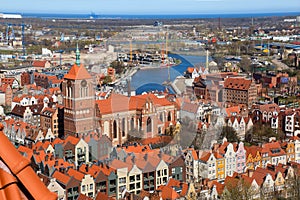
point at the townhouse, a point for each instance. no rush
(240, 158)
(273, 153)
(240, 124)
(253, 157)
(73, 149)
(192, 165)
(207, 165)
(68, 183)
(87, 183)
(227, 150)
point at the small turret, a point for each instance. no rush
(77, 56)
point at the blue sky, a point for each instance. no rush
(150, 6)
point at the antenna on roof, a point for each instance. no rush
(77, 55)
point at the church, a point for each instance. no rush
(78, 99)
(117, 116)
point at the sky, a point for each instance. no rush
(149, 6)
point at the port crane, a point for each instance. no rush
(10, 34)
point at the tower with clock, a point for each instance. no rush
(78, 99)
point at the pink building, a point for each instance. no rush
(240, 158)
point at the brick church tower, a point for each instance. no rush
(78, 99)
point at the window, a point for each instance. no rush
(173, 170)
(115, 129)
(138, 177)
(122, 180)
(83, 188)
(158, 173)
(149, 125)
(123, 127)
(91, 187)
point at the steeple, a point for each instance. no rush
(77, 56)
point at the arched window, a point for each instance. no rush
(149, 125)
(123, 127)
(169, 116)
(140, 123)
(106, 127)
(115, 129)
(161, 117)
(70, 91)
(132, 123)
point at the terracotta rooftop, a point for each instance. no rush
(190, 107)
(231, 110)
(20, 168)
(237, 83)
(168, 192)
(39, 63)
(77, 73)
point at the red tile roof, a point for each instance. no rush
(237, 83)
(8, 186)
(78, 72)
(168, 192)
(20, 168)
(76, 174)
(63, 178)
(39, 63)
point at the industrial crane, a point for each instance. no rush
(10, 34)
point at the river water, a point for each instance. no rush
(152, 79)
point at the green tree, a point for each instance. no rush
(229, 133)
(107, 80)
(245, 64)
(261, 133)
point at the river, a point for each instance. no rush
(146, 80)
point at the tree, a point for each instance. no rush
(229, 133)
(107, 79)
(293, 185)
(135, 135)
(238, 188)
(246, 64)
(261, 133)
(118, 66)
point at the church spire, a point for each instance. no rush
(77, 56)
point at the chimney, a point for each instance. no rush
(146, 156)
(250, 173)
(133, 159)
(62, 169)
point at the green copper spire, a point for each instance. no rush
(77, 56)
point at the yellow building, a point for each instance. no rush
(290, 150)
(253, 157)
(220, 166)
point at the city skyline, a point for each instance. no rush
(150, 7)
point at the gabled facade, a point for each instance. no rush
(240, 158)
(207, 165)
(230, 160)
(192, 164)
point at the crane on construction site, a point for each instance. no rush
(10, 34)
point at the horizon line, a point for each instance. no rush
(145, 14)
